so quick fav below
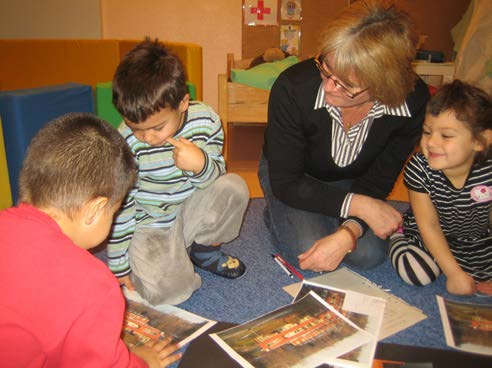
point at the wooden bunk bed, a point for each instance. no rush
(243, 110)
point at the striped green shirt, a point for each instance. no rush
(161, 187)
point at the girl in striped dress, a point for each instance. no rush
(448, 228)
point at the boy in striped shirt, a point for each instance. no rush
(183, 206)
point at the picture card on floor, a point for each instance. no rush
(398, 314)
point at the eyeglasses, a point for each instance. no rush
(346, 90)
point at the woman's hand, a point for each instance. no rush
(326, 253)
(382, 218)
(158, 354)
(460, 283)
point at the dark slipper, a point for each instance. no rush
(219, 263)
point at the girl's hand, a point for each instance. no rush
(460, 283)
(485, 287)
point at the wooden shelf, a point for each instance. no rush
(244, 145)
(245, 141)
(245, 165)
(434, 74)
(250, 176)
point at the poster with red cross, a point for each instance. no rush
(260, 12)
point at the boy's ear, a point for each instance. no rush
(93, 209)
(185, 102)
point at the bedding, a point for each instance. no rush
(262, 76)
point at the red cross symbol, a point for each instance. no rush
(260, 10)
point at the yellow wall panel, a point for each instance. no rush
(30, 63)
(5, 194)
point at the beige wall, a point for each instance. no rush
(215, 25)
(50, 19)
(434, 18)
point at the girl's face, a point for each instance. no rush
(448, 144)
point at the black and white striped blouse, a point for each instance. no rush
(464, 213)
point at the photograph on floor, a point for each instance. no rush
(306, 333)
(467, 326)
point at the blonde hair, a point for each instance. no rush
(374, 42)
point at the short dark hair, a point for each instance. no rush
(73, 159)
(148, 79)
(470, 104)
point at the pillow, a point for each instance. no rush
(263, 75)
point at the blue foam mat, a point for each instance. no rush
(26, 111)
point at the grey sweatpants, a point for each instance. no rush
(162, 271)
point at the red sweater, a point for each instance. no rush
(59, 305)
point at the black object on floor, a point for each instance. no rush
(203, 352)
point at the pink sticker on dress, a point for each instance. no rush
(481, 193)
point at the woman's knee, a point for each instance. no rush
(369, 254)
(290, 254)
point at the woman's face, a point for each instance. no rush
(340, 93)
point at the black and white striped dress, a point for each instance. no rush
(464, 216)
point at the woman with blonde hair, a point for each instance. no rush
(340, 128)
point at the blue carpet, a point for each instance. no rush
(260, 290)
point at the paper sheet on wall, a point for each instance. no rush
(398, 314)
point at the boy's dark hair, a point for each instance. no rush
(470, 105)
(148, 79)
(73, 159)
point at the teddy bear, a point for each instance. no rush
(271, 54)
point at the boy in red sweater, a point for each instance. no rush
(60, 305)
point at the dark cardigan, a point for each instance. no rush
(298, 145)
